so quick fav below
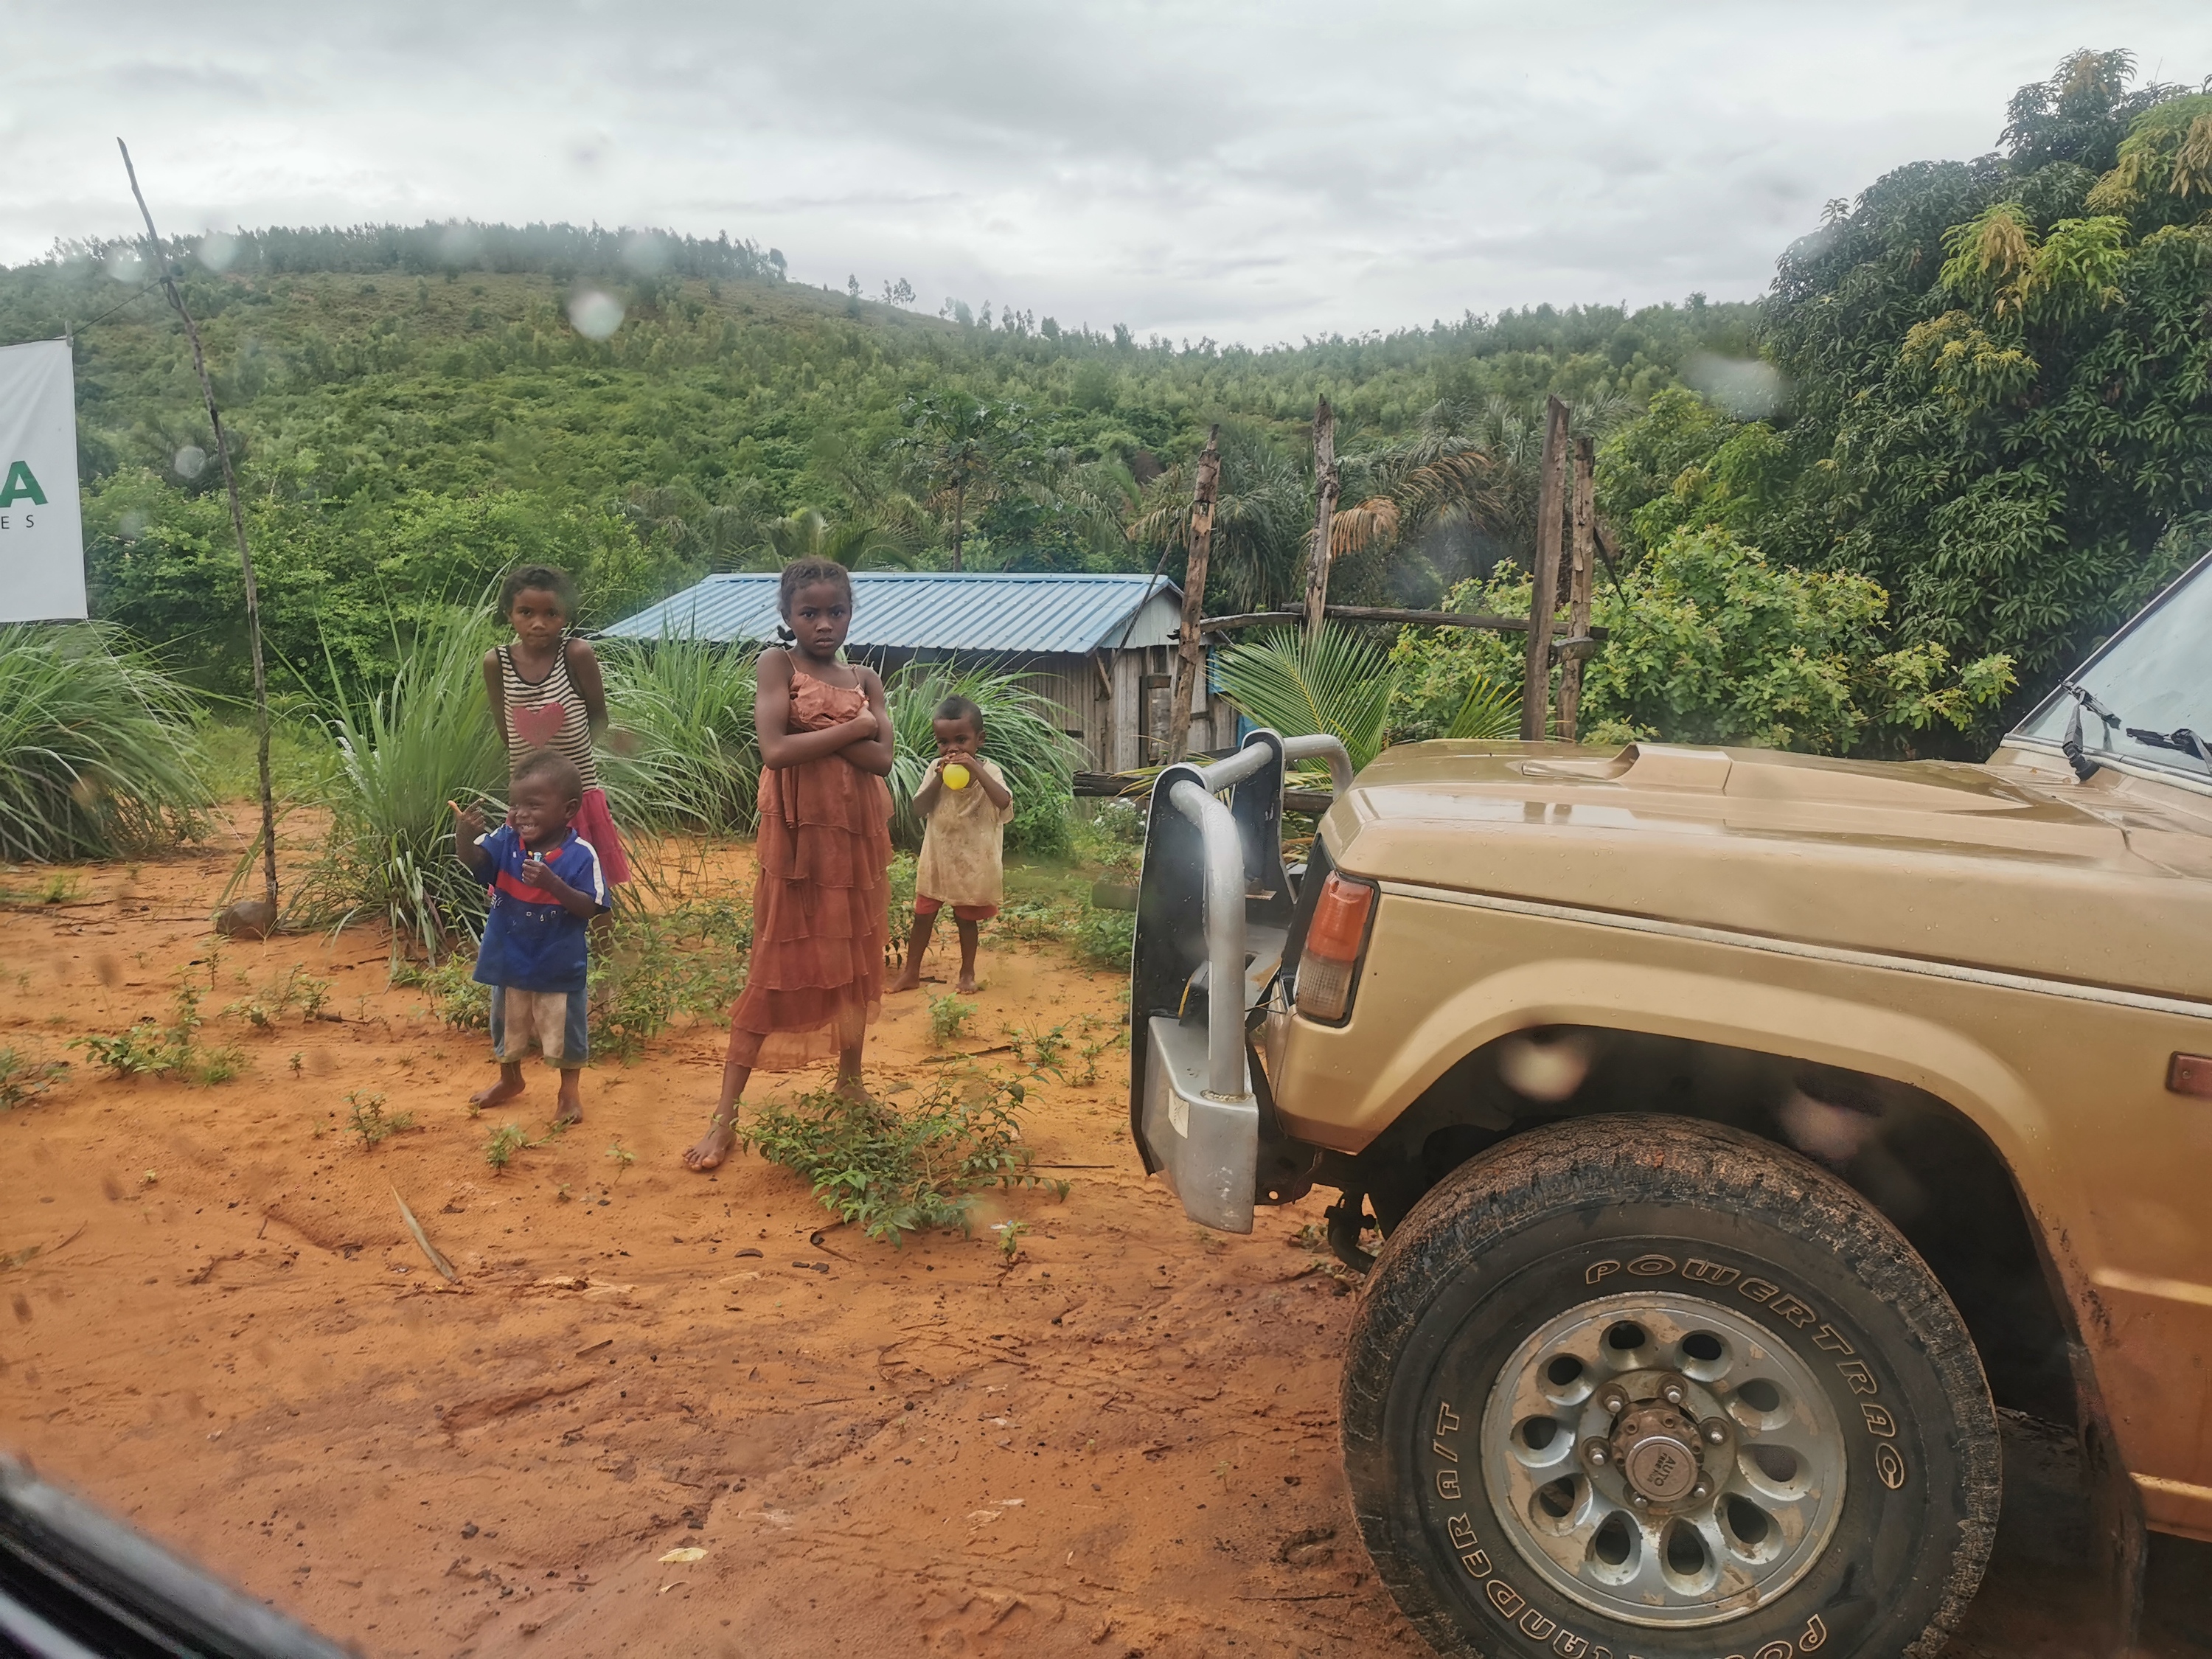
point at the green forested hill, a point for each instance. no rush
(1979, 397)
(402, 433)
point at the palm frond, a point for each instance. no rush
(1331, 682)
(1490, 713)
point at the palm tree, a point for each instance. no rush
(681, 521)
(1262, 518)
(857, 544)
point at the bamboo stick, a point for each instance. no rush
(244, 553)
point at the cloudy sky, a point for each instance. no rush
(1250, 172)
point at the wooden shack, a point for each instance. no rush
(1099, 647)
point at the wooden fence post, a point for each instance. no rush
(1327, 483)
(1190, 650)
(1580, 565)
(1544, 572)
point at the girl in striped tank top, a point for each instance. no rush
(546, 693)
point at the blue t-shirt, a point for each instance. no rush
(530, 942)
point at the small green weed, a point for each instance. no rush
(947, 1014)
(20, 1078)
(1105, 938)
(623, 1156)
(370, 1120)
(506, 1141)
(455, 998)
(889, 1172)
(1010, 1240)
(298, 1062)
(296, 988)
(171, 1050)
(1040, 1051)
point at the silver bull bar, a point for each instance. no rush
(1213, 913)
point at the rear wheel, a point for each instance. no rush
(1643, 1385)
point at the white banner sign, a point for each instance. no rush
(41, 531)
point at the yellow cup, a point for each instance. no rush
(955, 776)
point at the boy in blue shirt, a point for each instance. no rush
(546, 885)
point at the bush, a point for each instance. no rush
(688, 704)
(96, 759)
(1021, 736)
(889, 1172)
(405, 753)
(1709, 643)
(1106, 938)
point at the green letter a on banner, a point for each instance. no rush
(20, 485)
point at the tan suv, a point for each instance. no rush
(1741, 1129)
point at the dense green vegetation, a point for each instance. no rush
(1999, 375)
(1970, 428)
(405, 428)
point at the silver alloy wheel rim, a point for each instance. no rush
(1777, 1480)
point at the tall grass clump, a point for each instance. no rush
(694, 761)
(96, 751)
(1021, 736)
(403, 752)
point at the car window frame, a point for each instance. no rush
(2151, 764)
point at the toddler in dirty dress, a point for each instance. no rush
(546, 885)
(963, 862)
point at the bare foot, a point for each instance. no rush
(967, 988)
(499, 1094)
(572, 1108)
(715, 1146)
(908, 981)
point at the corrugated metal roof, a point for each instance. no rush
(933, 611)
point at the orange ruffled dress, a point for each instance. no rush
(819, 921)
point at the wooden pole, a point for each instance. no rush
(1545, 574)
(1544, 571)
(1190, 650)
(245, 554)
(1328, 483)
(1581, 568)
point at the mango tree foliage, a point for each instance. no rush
(2002, 373)
(1710, 642)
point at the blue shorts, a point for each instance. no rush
(557, 1023)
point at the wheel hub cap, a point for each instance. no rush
(1662, 1460)
(1657, 1451)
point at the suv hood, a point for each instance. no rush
(2012, 866)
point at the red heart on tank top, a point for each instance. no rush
(538, 724)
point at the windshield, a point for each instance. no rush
(2154, 677)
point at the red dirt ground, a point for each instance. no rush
(1124, 1443)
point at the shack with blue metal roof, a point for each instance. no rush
(1099, 647)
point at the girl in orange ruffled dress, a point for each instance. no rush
(824, 852)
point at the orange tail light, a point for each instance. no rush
(1329, 960)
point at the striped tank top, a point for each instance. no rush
(532, 721)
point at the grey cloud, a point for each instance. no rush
(1244, 171)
